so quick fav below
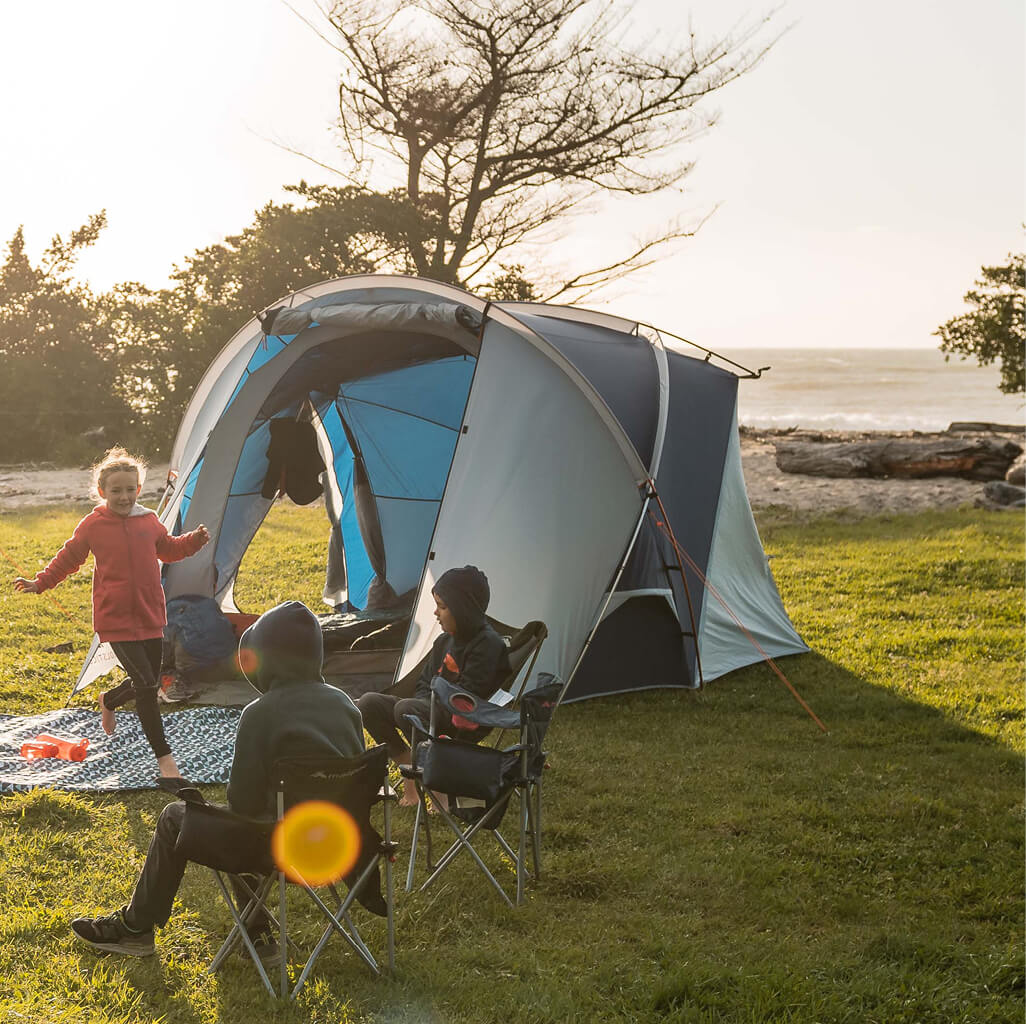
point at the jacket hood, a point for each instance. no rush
(466, 593)
(283, 647)
(137, 510)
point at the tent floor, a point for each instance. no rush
(353, 672)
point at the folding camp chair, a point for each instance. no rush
(244, 864)
(523, 647)
(487, 775)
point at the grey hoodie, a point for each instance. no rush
(282, 654)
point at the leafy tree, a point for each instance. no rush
(172, 334)
(502, 117)
(58, 393)
(995, 329)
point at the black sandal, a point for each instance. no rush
(173, 783)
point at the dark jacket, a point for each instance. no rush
(475, 658)
(281, 654)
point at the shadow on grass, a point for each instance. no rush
(708, 857)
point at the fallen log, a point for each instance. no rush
(985, 428)
(973, 459)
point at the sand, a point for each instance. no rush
(24, 487)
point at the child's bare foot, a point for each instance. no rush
(168, 767)
(106, 717)
(409, 797)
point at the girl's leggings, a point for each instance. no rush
(141, 660)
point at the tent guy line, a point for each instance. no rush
(662, 525)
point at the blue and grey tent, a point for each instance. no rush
(527, 439)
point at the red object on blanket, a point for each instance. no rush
(33, 751)
(69, 748)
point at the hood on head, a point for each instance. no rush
(283, 646)
(466, 593)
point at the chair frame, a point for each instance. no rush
(539, 633)
(527, 784)
(338, 920)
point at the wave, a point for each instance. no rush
(896, 421)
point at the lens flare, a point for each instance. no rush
(249, 662)
(316, 843)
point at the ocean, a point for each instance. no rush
(868, 389)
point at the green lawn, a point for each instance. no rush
(710, 856)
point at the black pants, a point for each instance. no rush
(141, 660)
(384, 717)
(162, 875)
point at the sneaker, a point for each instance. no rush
(112, 935)
(267, 949)
(176, 691)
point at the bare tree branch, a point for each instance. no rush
(491, 107)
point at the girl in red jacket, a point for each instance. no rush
(128, 600)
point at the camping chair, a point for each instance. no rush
(488, 775)
(523, 647)
(237, 849)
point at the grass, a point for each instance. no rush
(711, 857)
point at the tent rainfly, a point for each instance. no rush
(529, 440)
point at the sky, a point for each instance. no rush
(855, 182)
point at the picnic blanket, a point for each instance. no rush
(203, 741)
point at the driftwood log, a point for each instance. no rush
(985, 428)
(971, 458)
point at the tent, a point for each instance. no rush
(544, 444)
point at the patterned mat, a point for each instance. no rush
(202, 739)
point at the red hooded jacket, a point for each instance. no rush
(128, 600)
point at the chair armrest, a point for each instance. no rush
(418, 724)
(477, 710)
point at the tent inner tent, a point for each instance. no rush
(540, 443)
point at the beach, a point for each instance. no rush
(769, 487)
(23, 487)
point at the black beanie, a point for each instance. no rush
(466, 593)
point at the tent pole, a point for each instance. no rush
(665, 525)
(649, 494)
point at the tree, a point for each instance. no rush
(501, 117)
(170, 335)
(58, 394)
(996, 327)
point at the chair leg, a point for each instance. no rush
(232, 939)
(334, 924)
(283, 935)
(413, 845)
(244, 934)
(389, 886)
(525, 812)
(536, 830)
(463, 842)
